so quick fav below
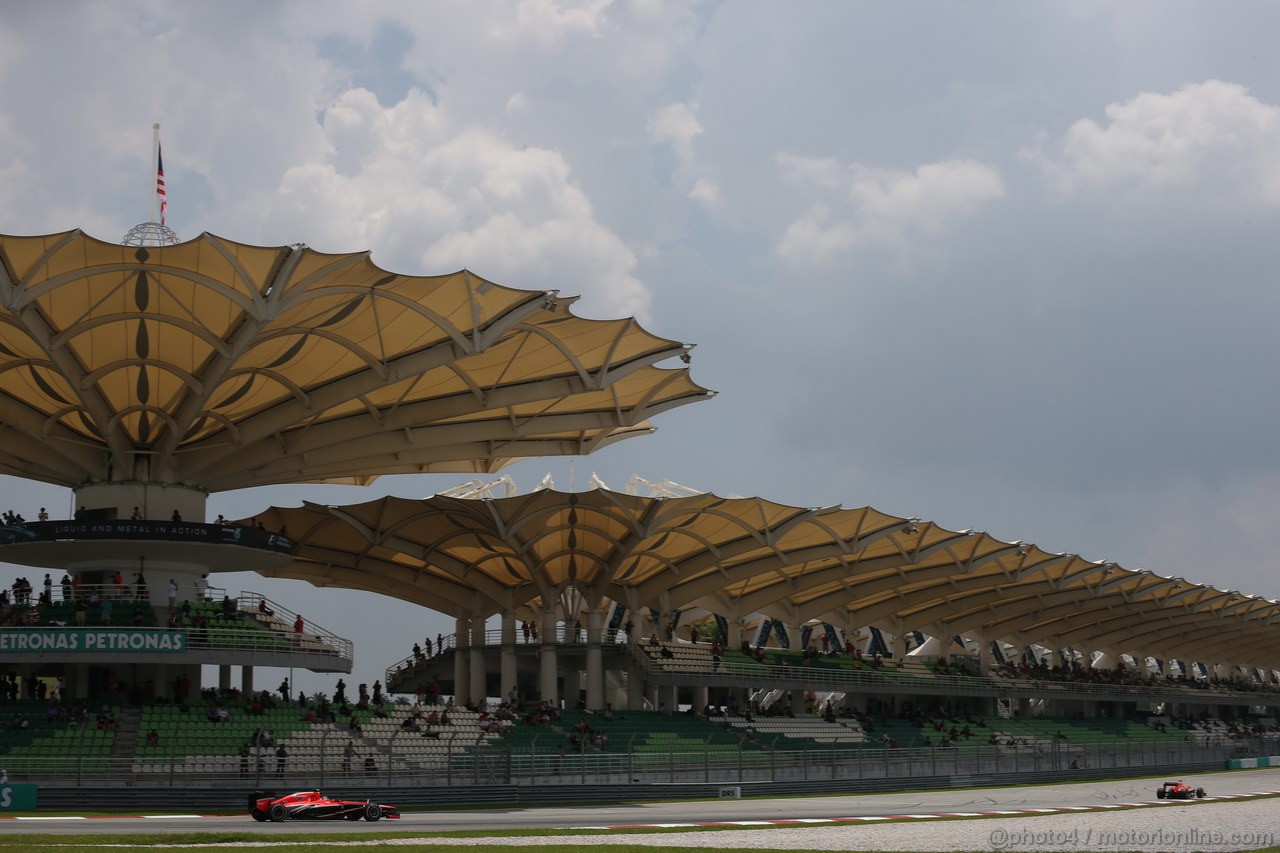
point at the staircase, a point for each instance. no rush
(128, 731)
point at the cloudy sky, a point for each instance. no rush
(1005, 266)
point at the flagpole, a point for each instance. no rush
(155, 169)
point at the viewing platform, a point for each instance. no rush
(69, 542)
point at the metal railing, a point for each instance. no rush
(729, 673)
(564, 635)
(457, 761)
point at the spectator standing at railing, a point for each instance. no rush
(284, 690)
(377, 692)
(173, 593)
(202, 588)
(66, 587)
(136, 515)
(417, 652)
(43, 515)
(119, 584)
(140, 584)
(427, 640)
(340, 692)
(298, 625)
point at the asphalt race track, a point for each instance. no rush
(1085, 796)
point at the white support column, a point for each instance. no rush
(224, 677)
(508, 674)
(701, 698)
(635, 687)
(572, 687)
(735, 632)
(479, 678)
(595, 660)
(984, 654)
(548, 670)
(461, 666)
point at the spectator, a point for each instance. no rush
(298, 624)
(173, 593)
(282, 755)
(153, 738)
(202, 588)
(176, 517)
(136, 515)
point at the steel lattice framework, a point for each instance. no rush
(219, 365)
(738, 556)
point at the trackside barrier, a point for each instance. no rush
(1250, 763)
(232, 799)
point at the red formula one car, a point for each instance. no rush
(1178, 791)
(312, 805)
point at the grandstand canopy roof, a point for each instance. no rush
(223, 365)
(738, 556)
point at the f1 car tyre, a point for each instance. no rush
(1200, 793)
(277, 813)
(257, 815)
(372, 811)
(1159, 793)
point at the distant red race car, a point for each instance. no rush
(1178, 791)
(312, 805)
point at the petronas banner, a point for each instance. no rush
(112, 640)
(18, 797)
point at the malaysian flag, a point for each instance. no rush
(160, 193)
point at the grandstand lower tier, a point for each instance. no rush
(292, 745)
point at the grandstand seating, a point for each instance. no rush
(42, 739)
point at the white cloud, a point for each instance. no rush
(676, 125)
(552, 21)
(1212, 138)
(432, 196)
(859, 205)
